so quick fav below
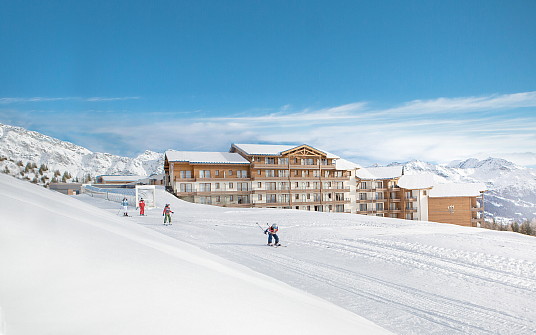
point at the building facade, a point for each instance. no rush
(266, 176)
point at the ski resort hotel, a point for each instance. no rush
(306, 178)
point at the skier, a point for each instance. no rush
(141, 205)
(272, 232)
(124, 203)
(167, 215)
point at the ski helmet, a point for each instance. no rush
(274, 226)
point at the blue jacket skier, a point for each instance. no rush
(272, 233)
(124, 203)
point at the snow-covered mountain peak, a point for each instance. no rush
(488, 164)
(19, 144)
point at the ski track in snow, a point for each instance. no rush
(375, 277)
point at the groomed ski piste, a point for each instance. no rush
(72, 265)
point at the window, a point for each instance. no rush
(204, 173)
(242, 199)
(259, 197)
(316, 173)
(270, 173)
(259, 172)
(424, 192)
(217, 186)
(283, 161)
(339, 196)
(378, 196)
(186, 174)
(271, 198)
(379, 206)
(362, 196)
(296, 197)
(230, 172)
(231, 198)
(283, 186)
(231, 185)
(242, 186)
(242, 173)
(205, 200)
(284, 198)
(218, 198)
(379, 184)
(270, 160)
(326, 174)
(338, 174)
(339, 208)
(204, 187)
(363, 185)
(308, 161)
(185, 187)
(282, 173)
(259, 185)
(363, 207)
(270, 186)
(324, 162)
(217, 172)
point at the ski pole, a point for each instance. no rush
(259, 226)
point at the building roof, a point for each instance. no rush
(120, 178)
(343, 164)
(273, 149)
(205, 157)
(416, 182)
(457, 190)
(383, 172)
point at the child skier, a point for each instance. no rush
(167, 215)
(124, 203)
(272, 232)
(141, 205)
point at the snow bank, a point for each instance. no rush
(69, 268)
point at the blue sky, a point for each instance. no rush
(373, 81)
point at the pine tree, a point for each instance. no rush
(515, 227)
(6, 170)
(57, 173)
(19, 163)
(28, 167)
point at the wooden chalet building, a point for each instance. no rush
(461, 204)
(253, 175)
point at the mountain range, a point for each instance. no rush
(511, 188)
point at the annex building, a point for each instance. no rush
(303, 177)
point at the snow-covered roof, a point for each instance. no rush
(343, 164)
(121, 178)
(416, 182)
(273, 149)
(383, 172)
(457, 190)
(205, 157)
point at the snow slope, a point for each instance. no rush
(409, 277)
(70, 268)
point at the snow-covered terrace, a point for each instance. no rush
(199, 157)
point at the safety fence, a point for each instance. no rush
(111, 194)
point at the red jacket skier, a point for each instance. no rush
(141, 205)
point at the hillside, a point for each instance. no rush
(409, 277)
(71, 268)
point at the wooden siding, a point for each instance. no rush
(455, 210)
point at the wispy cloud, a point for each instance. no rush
(438, 130)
